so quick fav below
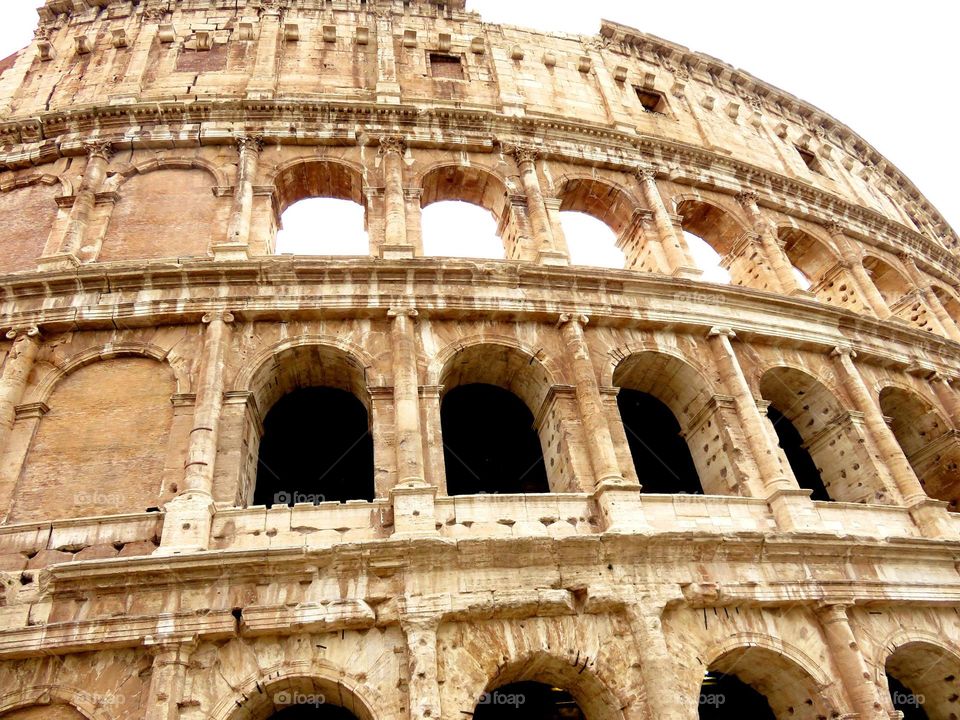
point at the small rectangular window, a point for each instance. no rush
(810, 160)
(449, 67)
(652, 101)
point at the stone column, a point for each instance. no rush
(854, 672)
(395, 246)
(128, 91)
(420, 631)
(168, 679)
(946, 394)
(948, 328)
(929, 514)
(790, 504)
(675, 250)
(16, 373)
(186, 526)
(853, 259)
(547, 252)
(617, 497)
(770, 244)
(414, 212)
(99, 153)
(263, 80)
(238, 229)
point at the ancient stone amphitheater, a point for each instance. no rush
(241, 485)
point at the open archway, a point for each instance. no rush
(298, 698)
(459, 229)
(55, 711)
(810, 257)
(924, 681)
(528, 701)
(598, 222)
(313, 711)
(723, 234)
(321, 209)
(316, 442)
(930, 444)
(738, 683)
(890, 282)
(821, 440)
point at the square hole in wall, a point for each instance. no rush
(651, 100)
(445, 66)
(810, 160)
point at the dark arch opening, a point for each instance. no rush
(801, 462)
(727, 697)
(905, 700)
(660, 453)
(489, 443)
(528, 701)
(313, 712)
(316, 447)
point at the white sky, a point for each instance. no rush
(886, 69)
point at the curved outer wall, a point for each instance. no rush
(148, 150)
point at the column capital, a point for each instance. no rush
(393, 143)
(97, 148)
(522, 153)
(722, 331)
(31, 331)
(224, 315)
(410, 312)
(646, 173)
(250, 142)
(748, 198)
(153, 15)
(577, 318)
(835, 227)
(832, 612)
(843, 351)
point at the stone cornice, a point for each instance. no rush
(42, 139)
(611, 297)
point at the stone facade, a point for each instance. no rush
(147, 152)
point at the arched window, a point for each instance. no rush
(761, 684)
(465, 213)
(460, 229)
(316, 444)
(323, 226)
(316, 447)
(321, 210)
(821, 441)
(490, 442)
(924, 681)
(661, 400)
(528, 701)
(928, 442)
(590, 241)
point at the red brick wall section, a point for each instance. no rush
(163, 214)
(26, 218)
(100, 448)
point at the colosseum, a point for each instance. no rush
(242, 484)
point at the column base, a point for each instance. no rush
(261, 94)
(793, 510)
(186, 524)
(801, 293)
(553, 258)
(60, 261)
(124, 98)
(620, 505)
(388, 93)
(397, 252)
(687, 273)
(231, 251)
(413, 509)
(932, 518)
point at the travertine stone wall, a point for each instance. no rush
(147, 153)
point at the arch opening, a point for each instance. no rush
(590, 241)
(55, 711)
(707, 225)
(930, 444)
(320, 209)
(316, 711)
(707, 259)
(453, 228)
(891, 284)
(308, 428)
(924, 681)
(660, 453)
(300, 698)
(746, 678)
(822, 442)
(490, 444)
(528, 701)
(316, 447)
(809, 257)
(323, 226)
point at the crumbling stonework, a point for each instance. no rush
(148, 150)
